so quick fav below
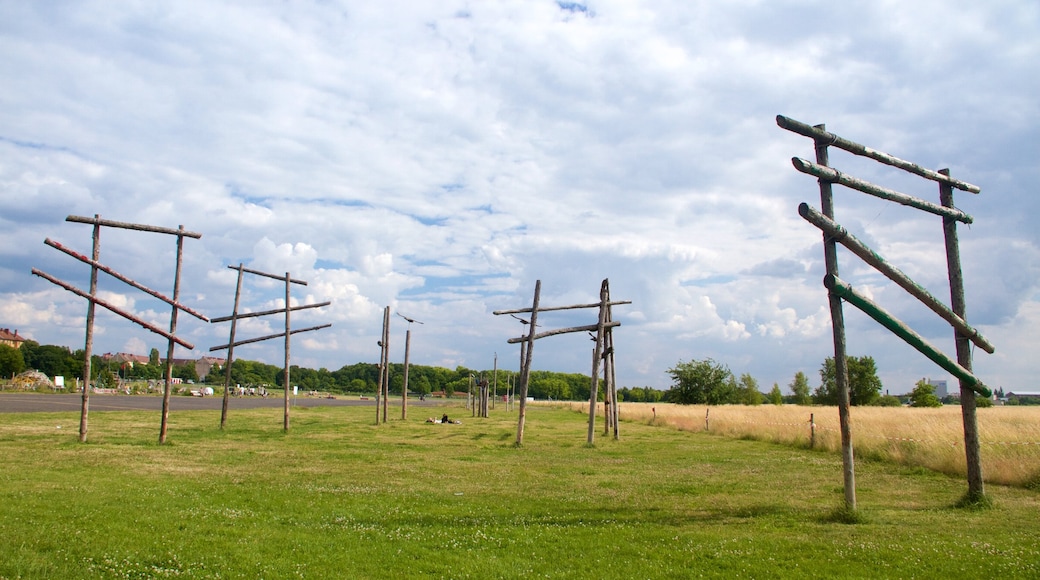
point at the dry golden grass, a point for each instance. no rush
(930, 438)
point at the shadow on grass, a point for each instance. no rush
(844, 515)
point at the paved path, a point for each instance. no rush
(39, 402)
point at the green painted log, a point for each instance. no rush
(884, 318)
(842, 236)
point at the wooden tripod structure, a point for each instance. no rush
(604, 350)
(235, 316)
(93, 300)
(839, 290)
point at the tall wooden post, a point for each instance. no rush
(976, 487)
(841, 380)
(594, 388)
(525, 362)
(285, 375)
(404, 387)
(386, 375)
(613, 381)
(231, 351)
(88, 348)
(173, 332)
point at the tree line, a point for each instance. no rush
(356, 378)
(706, 382)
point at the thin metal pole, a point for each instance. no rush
(88, 348)
(231, 351)
(841, 380)
(976, 487)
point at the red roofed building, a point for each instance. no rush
(11, 338)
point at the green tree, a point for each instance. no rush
(419, 386)
(186, 372)
(923, 395)
(11, 361)
(888, 401)
(800, 388)
(550, 388)
(775, 397)
(701, 382)
(864, 384)
(50, 360)
(747, 390)
(153, 357)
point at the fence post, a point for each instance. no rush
(812, 430)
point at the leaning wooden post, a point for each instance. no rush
(231, 351)
(594, 388)
(976, 487)
(841, 381)
(525, 359)
(89, 346)
(173, 332)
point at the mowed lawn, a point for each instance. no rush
(340, 497)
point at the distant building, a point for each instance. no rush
(940, 387)
(125, 358)
(10, 338)
(202, 365)
(1024, 394)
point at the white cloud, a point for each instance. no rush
(439, 158)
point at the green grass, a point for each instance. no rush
(339, 497)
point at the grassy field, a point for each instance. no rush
(339, 497)
(925, 437)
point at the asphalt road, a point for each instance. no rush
(39, 402)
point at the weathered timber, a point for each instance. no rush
(171, 347)
(122, 278)
(88, 348)
(269, 337)
(280, 277)
(835, 176)
(527, 350)
(841, 373)
(820, 134)
(102, 303)
(884, 318)
(552, 308)
(976, 486)
(286, 383)
(596, 355)
(554, 332)
(231, 351)
(843, 237)
(404, 386)
(97, 221)
(269, 312)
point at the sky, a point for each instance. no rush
(440, 157)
